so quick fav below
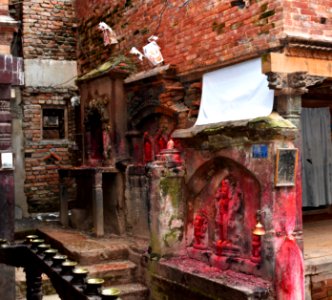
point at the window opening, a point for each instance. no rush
(53, 123)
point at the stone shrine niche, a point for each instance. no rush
(221, 214)
(97, 130)
(154, 132)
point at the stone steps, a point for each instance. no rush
(106, 258)
(115, 272)
(85, 249)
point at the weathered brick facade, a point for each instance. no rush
(198, 35)
(224, 33)
(49, 30)
(49, 45)
(43, 158)
(308, 19)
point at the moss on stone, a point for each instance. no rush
(155, 243)
(172, 237)
(272, 121)
(118, 63)
(171, 186)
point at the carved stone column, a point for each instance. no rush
(288, 89)
(167, 203)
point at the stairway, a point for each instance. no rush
(110, 258)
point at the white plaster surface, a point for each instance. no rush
(50, 73)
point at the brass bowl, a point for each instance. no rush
(69, 263)
(79, 275)
(110, 293)
(80, 270)
(58, 259)
(36, 242)
(31, 237)
(93, 286)
(95, 281)
(43, 247)
(49, 253)
(67, 267)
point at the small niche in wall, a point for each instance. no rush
(286, 165)
(53, 123)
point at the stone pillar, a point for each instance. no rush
(167, 204)
(98, 203)
(288, 89)
(289, 107)
(289, 239)
(63, 200)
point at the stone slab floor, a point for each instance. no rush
(317, 239)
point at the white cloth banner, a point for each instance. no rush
(237, 92)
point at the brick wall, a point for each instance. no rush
(308, 19)
(193, 34)
(49, 35)
(44, 157)
(49, 29)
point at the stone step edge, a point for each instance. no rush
(117, 251)
(129, 288)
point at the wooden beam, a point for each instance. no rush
(281, 63)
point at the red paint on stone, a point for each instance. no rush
(289, 271)
(200, 228)
(148, 155)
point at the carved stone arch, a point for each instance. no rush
(158, 123)
(244, 202)
(147, 111)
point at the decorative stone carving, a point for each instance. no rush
(229, 219)
(200, 229)
(296, 83)
(223, 195)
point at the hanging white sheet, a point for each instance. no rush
(237, 92)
